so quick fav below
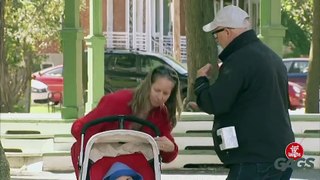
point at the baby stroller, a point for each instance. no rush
(121, 145)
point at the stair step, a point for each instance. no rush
(22, 132)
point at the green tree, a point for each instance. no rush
(313, 82)
(296, 16)
(4, 165)
(30, 27)
(201, 46)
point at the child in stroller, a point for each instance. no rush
(156, 99)
(120, 171)
(131, 148)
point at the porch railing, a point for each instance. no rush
(123, 40)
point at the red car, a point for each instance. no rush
(53, 78)
(297, 70)
(296, 95)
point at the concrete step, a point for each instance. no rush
(309, 141)
(63, 142)
(41, 122)
(165, 175)
(21, 160)
(40, 142)
(28, 145)
(193, 158)
(306, 123)
(57, 161)
(60, 161)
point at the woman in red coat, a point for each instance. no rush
(156, 99)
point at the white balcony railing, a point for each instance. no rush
(123, 40)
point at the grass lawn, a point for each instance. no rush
(43, 108)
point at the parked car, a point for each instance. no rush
(39, 92)
(297, 70)
(297, 95)
(52, 77)
(126, 69)
(123, 69)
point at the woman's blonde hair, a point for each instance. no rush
(142, 93)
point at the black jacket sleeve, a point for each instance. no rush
(219, 97)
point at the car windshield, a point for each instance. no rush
(54, 72)
(296, 65)
(176, 65)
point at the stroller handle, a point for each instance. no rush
(121, 119)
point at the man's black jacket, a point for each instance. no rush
(251, 93)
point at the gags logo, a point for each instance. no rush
(294, 152)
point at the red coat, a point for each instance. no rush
(117, 104)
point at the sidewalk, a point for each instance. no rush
(16, 175)
(163, 177)
(40, 175)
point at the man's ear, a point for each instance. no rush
(228, 31)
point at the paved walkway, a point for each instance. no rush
(163, 177)
(37, 175)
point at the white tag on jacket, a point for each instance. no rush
(228, 137)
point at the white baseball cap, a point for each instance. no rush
(230, 16)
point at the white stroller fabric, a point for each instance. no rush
(100, 150)
(138, 141)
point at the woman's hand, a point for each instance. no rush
(165, 144)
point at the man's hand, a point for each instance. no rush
(205, 71)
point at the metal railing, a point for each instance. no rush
(123, 40)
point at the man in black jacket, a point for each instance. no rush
(249, 100)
